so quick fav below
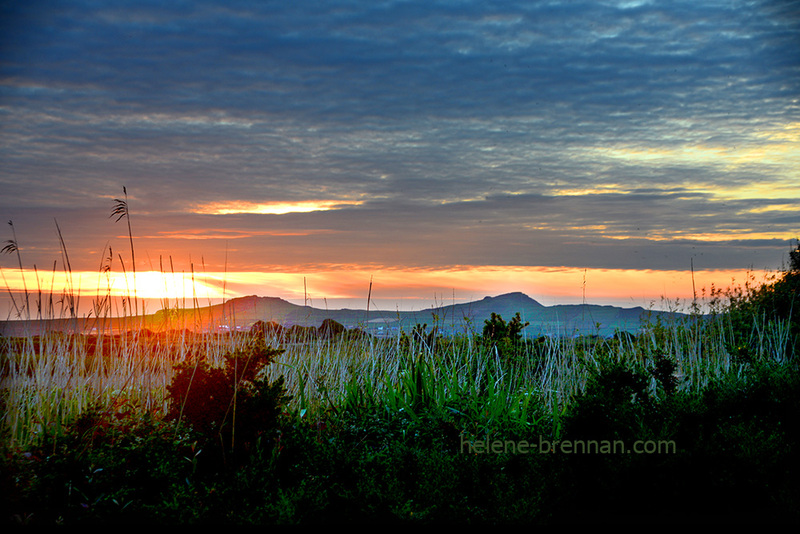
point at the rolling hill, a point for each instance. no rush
(544, 320)
(241, 313)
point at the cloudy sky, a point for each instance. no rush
(442, 149)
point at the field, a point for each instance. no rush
(683, 421)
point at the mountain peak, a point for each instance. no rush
(516, 297)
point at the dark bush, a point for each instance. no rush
(329, 329)
(504, 336)
(663, 371)
(776, 301)
(107, 464)
(231, 406)
(614, 401)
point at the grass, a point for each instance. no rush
(368, 430)
(375, 429)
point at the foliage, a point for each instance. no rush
(384, 463)
(230, 406)
(420, 339)
(496, 329)
(614, 400)
(769, 303)
(730, 450)
(736, 457)
(505, 337)
(106, 464)
(386, 444)
(663, 370)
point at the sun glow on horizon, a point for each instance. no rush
(143, 285)
(395, 288)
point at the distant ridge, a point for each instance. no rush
(242, 312)
(502, 304)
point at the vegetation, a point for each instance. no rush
(229, 408)
(683, 421)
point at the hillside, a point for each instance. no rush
(241, 313)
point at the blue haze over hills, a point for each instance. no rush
(240, 314)
(558, 320)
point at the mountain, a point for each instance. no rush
(241, 313)
(559, 320)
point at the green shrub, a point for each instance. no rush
(231, 406)
(108, 465)
(504, 336)
(663, 371)
(613, 404)
(766, 304)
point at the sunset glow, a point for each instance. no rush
(388, 289)
(272, 208)
(609, 152)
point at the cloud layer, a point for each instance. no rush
(628, 134)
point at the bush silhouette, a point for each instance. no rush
(230, 406)
(613, 404)
(777, 301)
(506, 337)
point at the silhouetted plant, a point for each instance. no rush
(12, 247)
(769, 303)
(614, 401)
(664, 372)
(421, 339)
(233, 405)
(506, 337)
(794, 258)
(121, 210)
(496, 329)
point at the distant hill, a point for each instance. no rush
(559, 320)
(241, 313)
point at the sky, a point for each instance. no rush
(402, 152)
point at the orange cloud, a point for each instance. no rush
(272, 208)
